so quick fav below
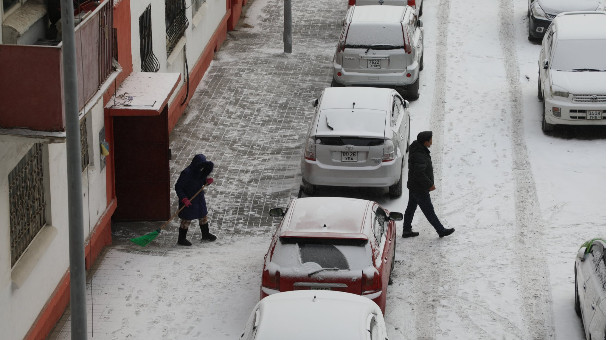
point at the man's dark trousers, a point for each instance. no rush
(422, 199)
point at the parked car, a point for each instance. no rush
(590, 288)
(572, 70)
(319, 314)
(540, 13)
(416, 4)
(380, 46)
(332, 243)
(358, 138)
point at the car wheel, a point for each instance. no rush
(308, 188)
(576, 297)
(421, 60)
(412, 91)
(539, 88)
(396, 189)
(546, 127)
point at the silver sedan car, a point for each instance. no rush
(590, 288)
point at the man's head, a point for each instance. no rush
(425, 138)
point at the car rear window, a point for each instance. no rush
(374, 36)
(311, 254)
(579, 55)
(351, 141)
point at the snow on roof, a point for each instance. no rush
(310, 314)
(326, 215)
(378, 13)
(356, 97)
(581, 25)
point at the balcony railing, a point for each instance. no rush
(31, 80)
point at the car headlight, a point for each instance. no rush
(538, 12)
(559, 92)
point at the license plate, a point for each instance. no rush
(373, 63)
(594, 114)
(349, 156)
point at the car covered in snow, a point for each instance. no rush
(332, 243)
(416, 4)
(380, 46)
(315, 314)
(572, 70)
(358, 138)
(540, 13)
(590, 288)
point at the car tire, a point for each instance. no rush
(421, 9)
(546, 127)
(576, 297)
(412, 91)
(396, 189)
(539, 88)
(421, 61)
(308, 188)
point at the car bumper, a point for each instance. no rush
(383, 175)
(564, 112)
(350, 78)
(538, 26)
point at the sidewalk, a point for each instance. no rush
(249, 115)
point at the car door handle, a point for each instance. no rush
(385, 259)
(593, 307)
(584, 287)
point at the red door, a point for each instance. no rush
(142, 167)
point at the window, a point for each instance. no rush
(196, 4)
(175, 22)
(27, 201)
(9, 4)
(148, 61)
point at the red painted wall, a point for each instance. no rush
(122, 23)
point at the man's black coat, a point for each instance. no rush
(421, 174)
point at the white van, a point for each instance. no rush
(572, 70)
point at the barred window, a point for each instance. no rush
(196, 4)
(149, 62)
(175, 22)
(84, 145)
(27, 201)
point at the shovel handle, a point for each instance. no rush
(184, 206)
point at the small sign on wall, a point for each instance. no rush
(104, 148)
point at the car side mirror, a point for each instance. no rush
(395, 216)
(581, 253)
(277, 212)
(315, 102)
(546, 64)
(419, 23)
(405, 104)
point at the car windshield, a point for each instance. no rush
(374, 37)
(580, 55)
(315, 255)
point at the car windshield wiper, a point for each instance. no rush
(587, 70)
(321, 270)
(375, 47)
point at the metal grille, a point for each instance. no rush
(196, 4)
(589, 98)
(148, 61)
(106, 47)
(84, 145)
(27, 202)
(175, 22)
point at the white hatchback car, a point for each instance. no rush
(380, 46)
(358, 138)
(315, 314)
(590, 288)
(416, 4)
(572, 70)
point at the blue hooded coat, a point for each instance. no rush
(190, 181)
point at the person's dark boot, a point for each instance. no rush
(205, 233)
(182, 237)
(446, 232)
(409, 233)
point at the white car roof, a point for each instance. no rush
(330, 217)
(378, 13)
(319, 315)
(581, 25)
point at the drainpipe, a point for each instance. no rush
(287, 26)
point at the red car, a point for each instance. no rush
(332, 243)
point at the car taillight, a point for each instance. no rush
(389, 152)
(310, 149)
(371, 283)
(271, 281)
(351, 2)
(411, 3)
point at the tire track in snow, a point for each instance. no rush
(534, 273)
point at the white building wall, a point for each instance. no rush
(26, 287)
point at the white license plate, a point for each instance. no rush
(349, 156)
(373, 63)
(594, 114)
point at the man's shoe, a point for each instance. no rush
(208, 237)
(182, 237)
(446, 232)
(409, 233)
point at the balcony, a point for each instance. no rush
(31, 78)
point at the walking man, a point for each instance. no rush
(190, 181)
(420, 183)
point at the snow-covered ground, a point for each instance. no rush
(521, 202)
